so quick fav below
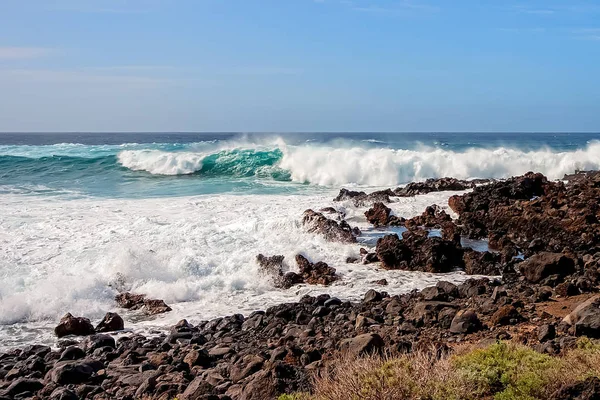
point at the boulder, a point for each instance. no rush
(392, 253)
(506, 315)
(70, 325)
(542, 265)
(378, 215)
(362, 344)
(110, 323)
(465, 321)
(585, 318)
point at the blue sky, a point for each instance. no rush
(299, 65)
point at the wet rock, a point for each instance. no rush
(110, 323)
(465, 321)
(433, 185)
(372, 296)
(318, 273)
(378, 215)
(72, 353)
(70, 325)
(140, 302)
(317, 223)
(432, 217)
(361, 199)
(392, 253)
(543, 265)
(381, 282)
(270, 265)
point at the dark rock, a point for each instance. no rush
(586, 318)
(381, 282)
(98, 341)
(315, 274)
(140, 302)
(392, 253)
(506, 315)
(22, 385)
(586, 390)
(63, 394)
(372, 296)
(433, 185)
(70, 325)
(110, 323)
(197, 388)
(72, 353)
(465, 321)
(543, 265)
(317, 223)
(378, 215)
(546, 332)
(74, 372)
(362, 344)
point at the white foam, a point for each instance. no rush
(159, 162)
(196, 253)
(337, 165)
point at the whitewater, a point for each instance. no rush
(183, 220)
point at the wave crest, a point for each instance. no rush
(343, 165)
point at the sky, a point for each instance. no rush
(299, 65)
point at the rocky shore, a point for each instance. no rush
(543, 276)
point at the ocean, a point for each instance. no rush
(182, 216)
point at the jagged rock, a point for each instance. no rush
(434, 185)
(140, 302)
(378, 215)
(315, 274)
(70, 325)
(22, 385)
(543, 265)
(361, 199)
(110, 323)
(546, 332)
(392, 253)
(586, 390)
(317, 223)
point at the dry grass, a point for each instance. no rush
(503, 371)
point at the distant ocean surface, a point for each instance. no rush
(138, 165)
(181, 217)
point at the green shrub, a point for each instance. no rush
(507, 371)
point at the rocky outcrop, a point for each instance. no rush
(381, 215)
(70, 325)
(436, 185)
(534, 214)
(310, 273)
(419, 252)
(140, 302)
(361, 199)
(333, 231)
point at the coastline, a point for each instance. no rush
(277, 351)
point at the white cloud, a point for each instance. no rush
(20, 53)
